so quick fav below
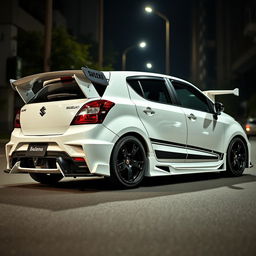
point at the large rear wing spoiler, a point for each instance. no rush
(213, 93)
(86, 78)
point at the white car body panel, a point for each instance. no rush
(206, 129)
(87, 88)
(202, 137)
(56, 121)
(166, 123)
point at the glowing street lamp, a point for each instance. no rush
(149, 9)
(141, 44)
(149, 65)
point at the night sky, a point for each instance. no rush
(126, 23)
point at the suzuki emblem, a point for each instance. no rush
(42, 111)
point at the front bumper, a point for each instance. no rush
(94, 143)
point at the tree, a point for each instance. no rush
(67, 52)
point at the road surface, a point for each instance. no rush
(180, 215)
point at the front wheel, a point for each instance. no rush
(128, 162)
(46, 178)
(236, 157)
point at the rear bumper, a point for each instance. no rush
(94, 143)
(52, 162)
(18, 169)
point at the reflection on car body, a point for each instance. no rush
(125, 125)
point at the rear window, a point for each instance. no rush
(56, 91)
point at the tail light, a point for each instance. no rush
(247, 127)
(17, 120)
(93, 112)
(78, 159)
(66, 79)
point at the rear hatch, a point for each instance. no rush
(53, 99)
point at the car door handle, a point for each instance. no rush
(192, 117)
(149, 111)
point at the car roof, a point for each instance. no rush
(139, 73)
(54, 74)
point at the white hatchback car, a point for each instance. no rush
(125, 125)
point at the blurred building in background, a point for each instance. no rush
(203, 60)
(236, 48)
(79, 17)
(12, 18)
(224, 46)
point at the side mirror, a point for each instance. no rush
(219, 107)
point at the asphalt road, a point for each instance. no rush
(181, 215)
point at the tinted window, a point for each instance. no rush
(190, 97)
(155, 90)
(136, 86)
(58, 91)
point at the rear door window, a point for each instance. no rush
(152, 90)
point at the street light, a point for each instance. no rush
(149, 9)
(149, 65)
(141, 44)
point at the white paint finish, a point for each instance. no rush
(167, 122)
(96, 142)
(86, 87)
(205, 131)
(56, 120)
(211, 94)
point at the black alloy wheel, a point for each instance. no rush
(236, 157)
(128, 162)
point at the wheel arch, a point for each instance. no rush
(113, 173)
(246, 147)
(139, 137)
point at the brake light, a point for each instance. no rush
(65, 79)
(17, 120)
(93, 112)
(78, 159)
(247, 127)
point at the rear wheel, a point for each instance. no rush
(236, 157)
(128, 162)
(46, 178)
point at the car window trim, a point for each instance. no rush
(138, 78)
(176, 101)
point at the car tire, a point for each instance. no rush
(128, 162)
(236, 157)
(44, 178)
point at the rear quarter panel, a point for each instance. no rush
(123, 117)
